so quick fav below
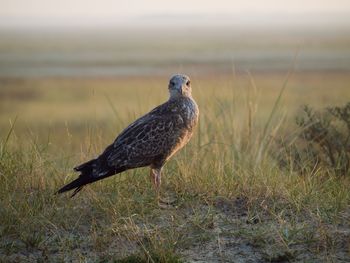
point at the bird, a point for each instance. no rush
(149, 141)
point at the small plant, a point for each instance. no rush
(324, 141)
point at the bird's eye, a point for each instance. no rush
(172, 83)
(188, 83)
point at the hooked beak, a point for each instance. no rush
(173, 87)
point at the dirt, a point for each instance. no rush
(227, 231)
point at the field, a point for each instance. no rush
(234, 202)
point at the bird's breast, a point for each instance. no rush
(190, 113)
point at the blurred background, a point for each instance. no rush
(133, 38)
(66, 62)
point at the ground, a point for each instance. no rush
(220, 231)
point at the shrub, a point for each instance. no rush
(323, 141)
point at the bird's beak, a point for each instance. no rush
(179, 88)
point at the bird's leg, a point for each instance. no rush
(155, 176)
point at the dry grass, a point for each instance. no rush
(233, 201)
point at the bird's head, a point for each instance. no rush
(180, 85)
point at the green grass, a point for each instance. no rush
(232, 199)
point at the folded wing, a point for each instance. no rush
(147, 141)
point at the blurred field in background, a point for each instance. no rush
(57, 106)
(69, 94)
(50, 77)
(160, 51)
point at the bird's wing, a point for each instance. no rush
(148, 139)
(157, 113)
(145, 140)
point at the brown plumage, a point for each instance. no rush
(149, 141)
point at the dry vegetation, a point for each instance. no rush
(233, 200)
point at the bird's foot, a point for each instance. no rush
(167, 202)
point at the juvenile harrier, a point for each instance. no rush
(149, 141)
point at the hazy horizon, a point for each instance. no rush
(114, 38)
(108, 13)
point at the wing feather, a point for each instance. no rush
(145, 140)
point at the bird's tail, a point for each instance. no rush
(84, 178)
(77, 184)
(87, 176)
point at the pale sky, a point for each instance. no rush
(90, 11)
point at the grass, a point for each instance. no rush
(232, 199)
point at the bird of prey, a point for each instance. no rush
(149, 141)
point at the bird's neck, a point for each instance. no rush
(177, 96)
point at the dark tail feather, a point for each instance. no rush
(77, 184)
(85, 177)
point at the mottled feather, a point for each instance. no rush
(149, 141)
